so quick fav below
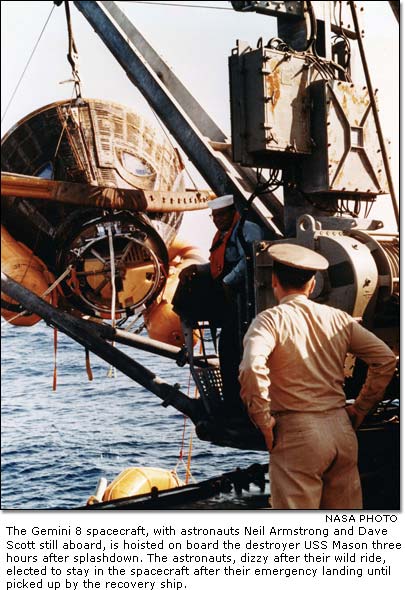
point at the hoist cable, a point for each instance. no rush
(173, 147)
(73, 54)
(178, 5)
(27, 64)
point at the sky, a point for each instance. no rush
(195, 42)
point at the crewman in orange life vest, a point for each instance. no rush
(210, 291)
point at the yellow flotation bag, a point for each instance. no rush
(21, 265)
(140, 480)
(161, 322)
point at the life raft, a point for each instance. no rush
(20, 264)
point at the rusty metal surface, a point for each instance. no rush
(270, 110)
(347, 156)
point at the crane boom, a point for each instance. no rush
(171, 103)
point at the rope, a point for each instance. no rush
(190, 452)
(180, 461)
(72, 59)
(49, 290)
(55, 350)
(180, 5)
(44, 294)
(27, 64)
(57, 281)
(133, 322)
(64, 126)
(88, 366)
(112, 370)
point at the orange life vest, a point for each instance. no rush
(218, 248)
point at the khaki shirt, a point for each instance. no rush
(294, 357)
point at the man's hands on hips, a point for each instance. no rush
(355, 415)
(268, 433)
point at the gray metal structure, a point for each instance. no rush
(295, 109)
(297, 106)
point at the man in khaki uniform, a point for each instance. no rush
(291, 379)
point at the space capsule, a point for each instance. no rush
(100, 228)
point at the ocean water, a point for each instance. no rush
(56, 445)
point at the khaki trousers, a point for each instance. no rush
(313, 464)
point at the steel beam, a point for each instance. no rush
(395, 6)
(216, 168)
(85, 334)
(149, 345)
(374, 107)
(289, 9)
(87, 195)
(194, 110)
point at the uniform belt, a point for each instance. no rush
(318, 412)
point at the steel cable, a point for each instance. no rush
(27, 64)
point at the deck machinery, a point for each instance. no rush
(306, 161)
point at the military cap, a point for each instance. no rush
(221, 202)
(297, 256)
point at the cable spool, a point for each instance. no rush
(391, 252)
(384, 248)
